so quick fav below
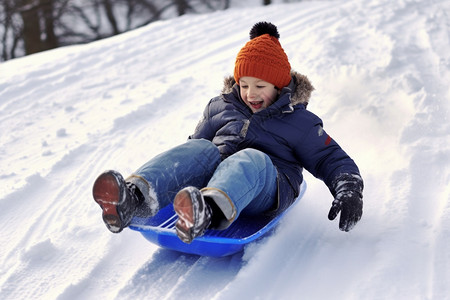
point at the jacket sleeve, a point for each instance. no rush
(322, 156)
(204, 129)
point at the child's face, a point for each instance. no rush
(257, 93)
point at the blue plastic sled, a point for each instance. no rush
(160, 230)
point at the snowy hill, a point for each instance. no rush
(381, 70)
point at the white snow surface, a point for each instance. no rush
(381, 69)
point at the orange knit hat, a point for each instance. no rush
(263, 57)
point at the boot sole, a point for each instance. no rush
(106, 193)
(183, 207)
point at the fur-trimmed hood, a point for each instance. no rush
(300, 88)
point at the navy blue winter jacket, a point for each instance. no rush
(289, 134)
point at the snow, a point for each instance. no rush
(381, 70)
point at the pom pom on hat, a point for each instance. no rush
(263, 57)
(264, 28)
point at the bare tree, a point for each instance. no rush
(48, 19)
(29, 23)
(182, 6)
(108, 6)
(9, 34)
(30, 26)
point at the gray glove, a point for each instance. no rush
(347, 191)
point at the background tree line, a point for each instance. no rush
(31, 26)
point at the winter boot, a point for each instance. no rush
(194, 214)
(117, 199)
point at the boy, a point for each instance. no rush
(246, 155)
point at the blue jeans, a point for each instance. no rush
(244, 176)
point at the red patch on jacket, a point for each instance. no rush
(328, 141)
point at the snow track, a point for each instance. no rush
(381, 70)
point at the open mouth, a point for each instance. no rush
(256, 104)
